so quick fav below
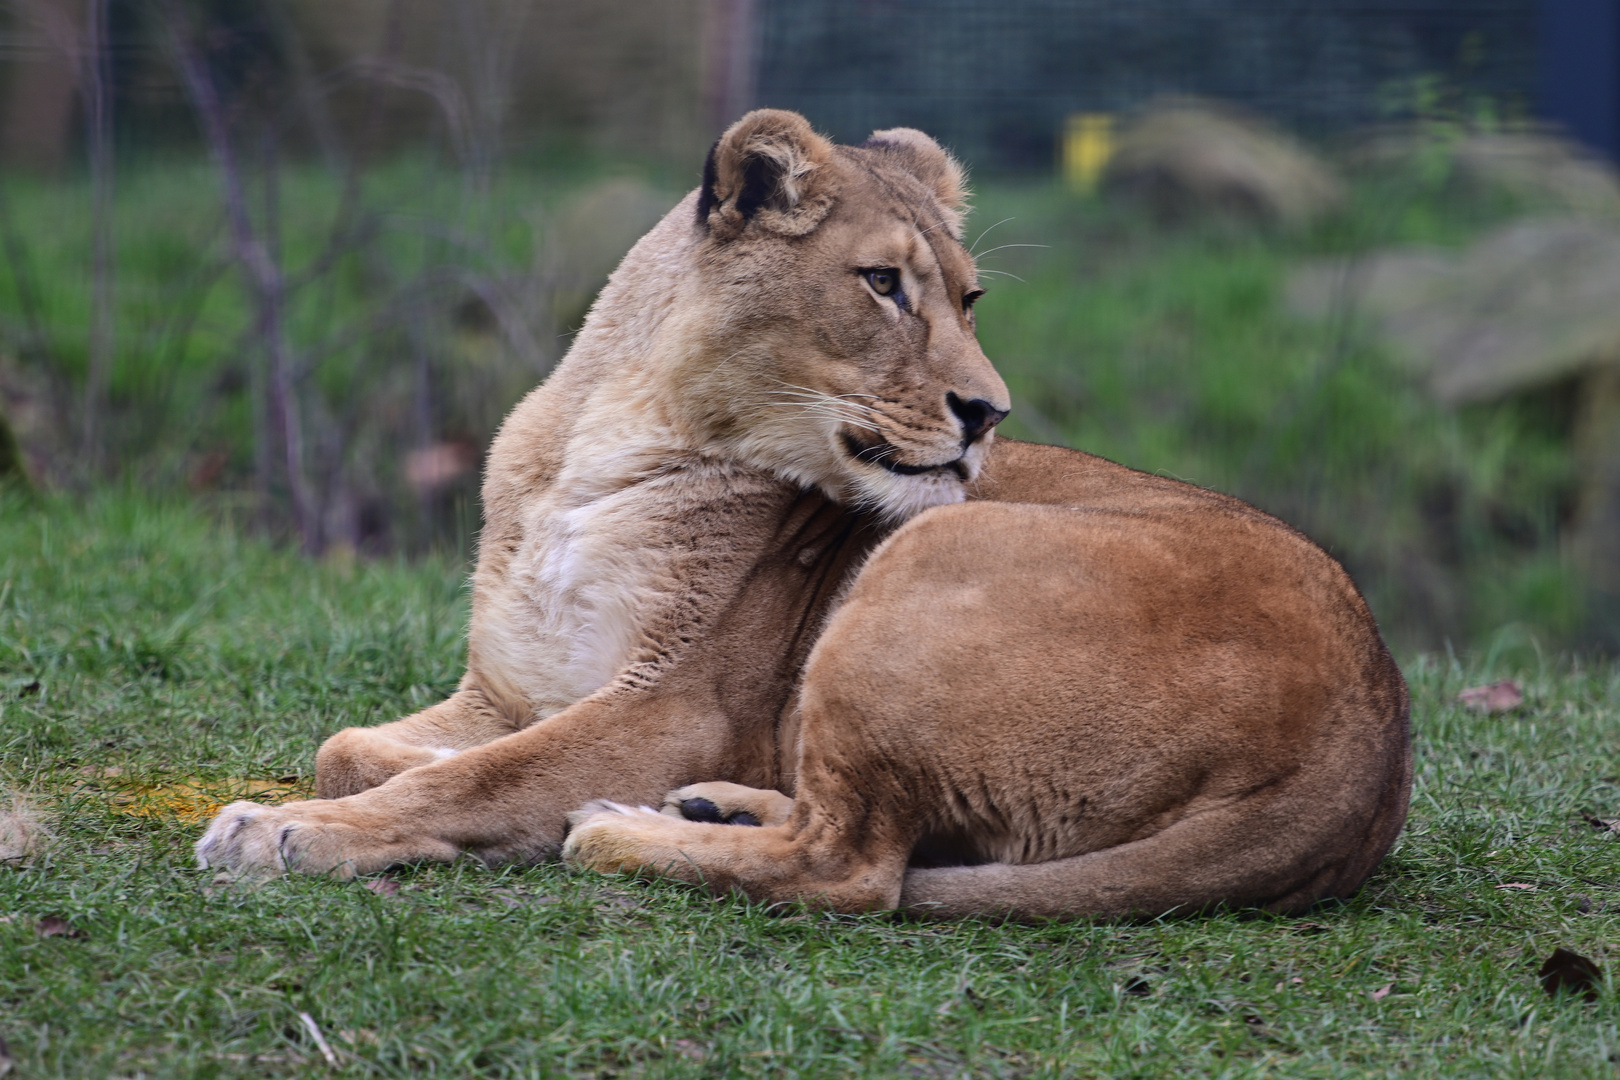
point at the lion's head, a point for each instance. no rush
(836, 315)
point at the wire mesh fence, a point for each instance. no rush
(996, 81)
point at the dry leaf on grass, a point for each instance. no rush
(1610, 826)
(1572, 973)
(193, 800)
(1496, 697)
(692, 1051)
(1382, 992)
(382, 886)
(56, 926)
(1515, 885)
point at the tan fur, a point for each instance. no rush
(1084, 691)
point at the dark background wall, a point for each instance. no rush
(1580, 69)
(996, 80)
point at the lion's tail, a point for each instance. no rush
(1278, 855)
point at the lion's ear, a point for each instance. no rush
(922, 157)
(764, 169)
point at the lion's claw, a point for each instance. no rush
(321, 836)
(232, 844)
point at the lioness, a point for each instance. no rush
(753, 537)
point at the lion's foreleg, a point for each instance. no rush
(356, 759)
(506, 800)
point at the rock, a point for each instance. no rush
(1183, 157)
(1533, 164)
(1527, 305)
(1531, 304)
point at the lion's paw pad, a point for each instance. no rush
(704, 810)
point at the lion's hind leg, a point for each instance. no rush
(356, 759)
(801, 859)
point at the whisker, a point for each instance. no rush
(817, 395)
(855, 408)
(1002, 273)
(982, 235)
(816, 409)
(1003, 247)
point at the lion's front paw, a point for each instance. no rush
(315, 837)
(723, 803)
(242, 840)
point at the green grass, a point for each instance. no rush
(144, 637)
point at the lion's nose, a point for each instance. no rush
(977, 415)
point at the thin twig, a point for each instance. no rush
(98, 94)
(320, 1040)
(260, 268)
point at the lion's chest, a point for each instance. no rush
(574, 603)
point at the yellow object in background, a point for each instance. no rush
(1088, 143)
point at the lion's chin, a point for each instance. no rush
(898, 498)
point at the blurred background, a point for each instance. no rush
(1356, 261)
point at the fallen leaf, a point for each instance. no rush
(1604, 825)
(1496, 697)
(1382, 992)
(192, 800)
(56, 926)
(1516, 885)
(692, 1051)
(382, 886)
(1568, 972)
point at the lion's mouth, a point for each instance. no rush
(885, 455)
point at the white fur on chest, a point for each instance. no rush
(575, 599)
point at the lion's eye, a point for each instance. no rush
(884, 282)
(967, 299)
